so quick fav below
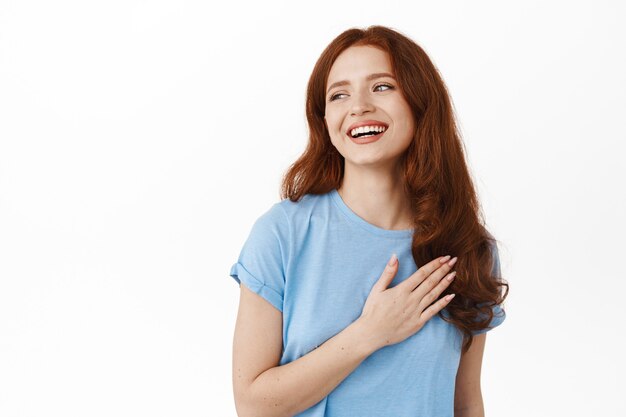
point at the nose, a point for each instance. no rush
(360, 105)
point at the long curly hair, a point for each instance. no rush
(447, 218)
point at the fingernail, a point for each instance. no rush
(444, 259)
(449, 297)
(452, 262)
(393, 260)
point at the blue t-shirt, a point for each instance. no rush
(316, 261)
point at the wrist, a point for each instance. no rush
(365, 340)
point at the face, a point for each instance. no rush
(377, 101)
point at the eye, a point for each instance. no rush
(389, 87)
(334, 96)
(384, 85)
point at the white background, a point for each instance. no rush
(140, 140)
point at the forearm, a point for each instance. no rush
(292, 388)
(472, 411)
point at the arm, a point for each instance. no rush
(468, 399)
(292, 388)
(262, 388)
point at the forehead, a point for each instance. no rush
(357, 62)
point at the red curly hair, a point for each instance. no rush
(446, 214)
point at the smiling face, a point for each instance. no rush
(357, 92)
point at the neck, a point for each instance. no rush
(378, 199)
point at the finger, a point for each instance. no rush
(430, 281)
(433, 280)
(431, 296)
(387, 276)
(422, 273)
(435, 308)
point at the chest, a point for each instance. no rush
(326, 290)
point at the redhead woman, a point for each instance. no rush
(369, 288)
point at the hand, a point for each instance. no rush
(393, 314)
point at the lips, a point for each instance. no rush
(366, 139)
(365, 123)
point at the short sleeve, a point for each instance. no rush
(260, 265)
(498, 312)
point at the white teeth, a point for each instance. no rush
(364, 129)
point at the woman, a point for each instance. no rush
(326, 326)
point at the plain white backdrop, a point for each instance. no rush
(140, 140)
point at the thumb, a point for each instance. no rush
(388, 274)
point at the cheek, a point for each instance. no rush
(410, 124)
(335, 136)
(406, 117)
(332, 125)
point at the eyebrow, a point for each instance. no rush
(369, 78)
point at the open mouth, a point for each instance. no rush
(367, 137)
(366, 131)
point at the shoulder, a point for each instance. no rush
(274, 216)
(299, 214)
(270, 227)
(304, 206)
(286, 222)
(279, 220)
